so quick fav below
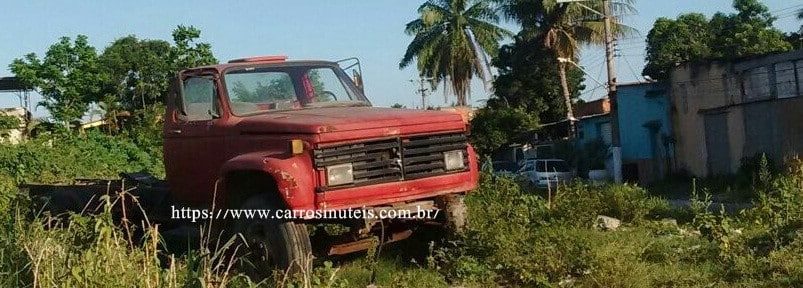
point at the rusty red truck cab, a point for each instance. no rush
(305, 130)
(246, 115)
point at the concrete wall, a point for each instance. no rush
(689, 82)
(760, 99)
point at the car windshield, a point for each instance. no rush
(262, 89)
(552, 166)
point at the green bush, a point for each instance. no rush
(520, 238)
(62, 159)
(629, 203)
(579, 203)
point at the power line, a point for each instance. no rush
(593, 90)
(787, 8)
(635, 75)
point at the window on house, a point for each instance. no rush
(758, 84)
(785, 83)
(604, 130)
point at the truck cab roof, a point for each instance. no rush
(260, 61)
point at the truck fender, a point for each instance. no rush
(293, 175)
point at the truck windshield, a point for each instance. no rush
(255, 90)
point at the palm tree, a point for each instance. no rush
(452, 39)
(564, 28)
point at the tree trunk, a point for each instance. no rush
(461, 100)
(567, 97)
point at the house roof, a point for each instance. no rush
(600, 106)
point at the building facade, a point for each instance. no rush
(645, 131)
(726, 111)
(593, 122)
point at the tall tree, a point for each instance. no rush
(495, 127)
(67, 77)
(527, 92)
(187, 52)
(139, 71)
(563, 28)
(796, 38)
(692, 37)
(131, 74)
(671, 42)
(451, 41)
(747, 32)
(529, 79)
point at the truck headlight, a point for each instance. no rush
(453, 160)
(339, 174)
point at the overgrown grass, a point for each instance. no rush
(521, 239)
(516, 237)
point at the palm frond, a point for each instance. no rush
(481, 10)
(451, 41)
(421, 42)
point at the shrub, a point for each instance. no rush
(49, 159)
(629, 203)
(578, 204)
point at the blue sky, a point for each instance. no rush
(301, 29)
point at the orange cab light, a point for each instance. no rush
(296, 146)
(274, 58)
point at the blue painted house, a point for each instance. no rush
(645, 131)
(593, 125)
(593, 122)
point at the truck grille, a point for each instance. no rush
(373, 162)
(394, 159)
(423, 156)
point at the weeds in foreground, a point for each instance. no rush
(514, 239)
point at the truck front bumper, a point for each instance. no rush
(393, 192)
(401, 191)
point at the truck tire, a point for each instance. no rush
(455, 213)
(273, 244)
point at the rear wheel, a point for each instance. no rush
(273, 244)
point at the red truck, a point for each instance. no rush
(268, 133)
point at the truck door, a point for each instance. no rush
(194, 140)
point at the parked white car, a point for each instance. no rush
(546, 172)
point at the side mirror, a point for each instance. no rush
(357, 78)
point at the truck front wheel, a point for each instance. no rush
(273, 244)
(455, 213)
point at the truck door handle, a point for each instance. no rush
(175, 131)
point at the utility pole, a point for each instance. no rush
(616, 149)
(422, 90)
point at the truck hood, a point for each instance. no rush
(385, 121)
